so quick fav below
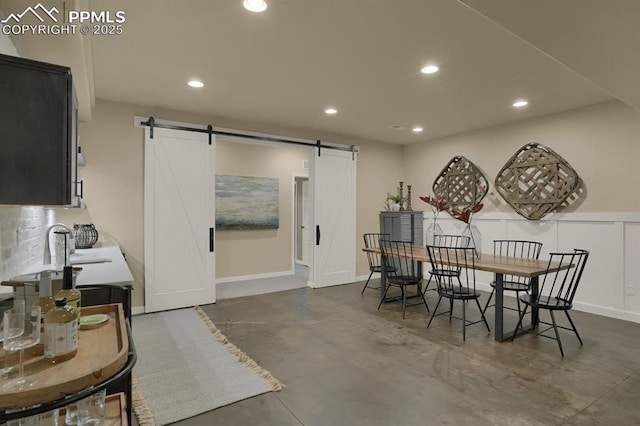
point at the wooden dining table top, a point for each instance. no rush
(491, 263)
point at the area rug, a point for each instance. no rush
(186, 367)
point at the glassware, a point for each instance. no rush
(433, 230)
(20, 331)
(91, 409)
(8, 359)
(71, 414)
(475, 238)
(61, 249)
(50, 418)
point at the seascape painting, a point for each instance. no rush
(246, 202)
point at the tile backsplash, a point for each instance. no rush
(21, 238)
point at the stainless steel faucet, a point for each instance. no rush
(46, 259)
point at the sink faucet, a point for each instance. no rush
(46, 259)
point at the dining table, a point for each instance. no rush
(499, 266)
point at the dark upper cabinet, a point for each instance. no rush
(38, 133)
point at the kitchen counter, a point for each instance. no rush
(114, 272)
(100, 266)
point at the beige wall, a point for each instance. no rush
(273, 247)
(380, 168)
(114, 182)
(601, 142)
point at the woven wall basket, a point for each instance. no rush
(461, 183)
(536, 180)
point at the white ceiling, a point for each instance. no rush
(285, 66)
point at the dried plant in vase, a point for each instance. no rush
(465, 215)
(438, 204)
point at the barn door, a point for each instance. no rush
(333, 175)
(179, 219)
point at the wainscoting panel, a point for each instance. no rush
(601, 284)
(632, 266)
(611, 282)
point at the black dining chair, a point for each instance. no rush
(372, 240)
(555, 293)
(455, 286)
(447, 240)
(401, 271)
(514, 248)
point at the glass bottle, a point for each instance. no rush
(61, 328)
(69, 291)
(433, 230)
(46, 303)
(475, 238)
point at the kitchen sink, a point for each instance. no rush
(86, 260)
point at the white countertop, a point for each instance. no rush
(113, 271)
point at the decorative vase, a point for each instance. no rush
(395, 207)
(475, 238)
(433, 230)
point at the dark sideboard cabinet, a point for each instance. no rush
(403, 225)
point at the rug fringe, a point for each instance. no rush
(140, 407)
(243, 358)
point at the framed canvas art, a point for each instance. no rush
(247, 202)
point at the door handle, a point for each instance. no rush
(79, 184)
(317, 235)
(212, 238)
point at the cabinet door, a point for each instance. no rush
(36, 156)
(402, 226)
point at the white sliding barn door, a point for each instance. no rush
(333, 175)
(179, 219)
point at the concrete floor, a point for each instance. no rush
(345, 363)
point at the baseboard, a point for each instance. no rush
(240, 290)
(607, 312)
(254, 277)
(253, 289)
(137, 310)
(376, 275)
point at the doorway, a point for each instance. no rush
(301, 225)
(326, 242)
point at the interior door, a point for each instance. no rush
(333, 175)
(179, 219)
(306, 207)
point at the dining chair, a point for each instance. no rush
(401, 271)
(447, 240)
(372, 240)
(514, 248)
(455, 286)
(556, 291)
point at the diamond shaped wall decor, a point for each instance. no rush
(461, 183)
(536, 181)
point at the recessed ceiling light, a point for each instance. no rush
(331, 111)
(417, 129)
(520, 104)
(255, 5)
(195, 83)
(429, 69)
